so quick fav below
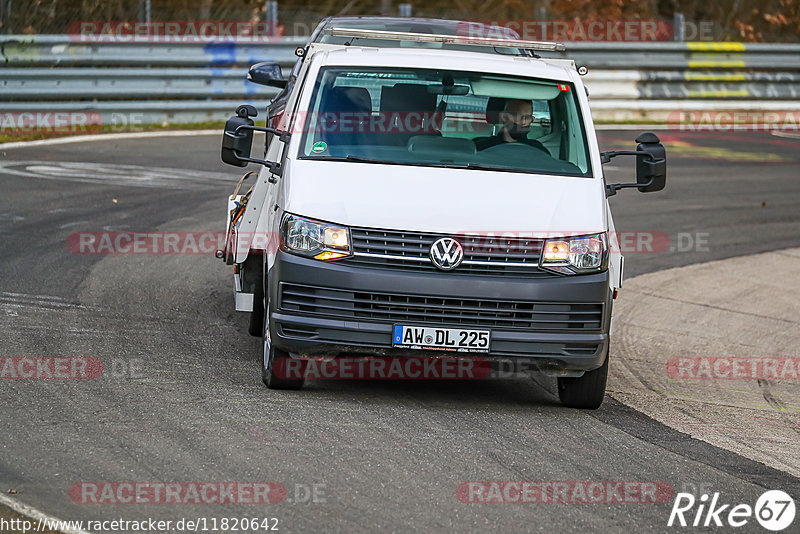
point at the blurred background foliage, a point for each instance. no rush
(731, 20)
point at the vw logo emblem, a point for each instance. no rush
(447, 253)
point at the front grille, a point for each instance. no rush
(483, 254)
(410, 309)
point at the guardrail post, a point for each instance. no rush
(144, 11)
(271, 17)
(404, 10)
(679, 27)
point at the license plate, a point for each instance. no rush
(450, 339)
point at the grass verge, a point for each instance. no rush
(13, 136)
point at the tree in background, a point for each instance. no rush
(733, 20)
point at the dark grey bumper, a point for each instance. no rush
(314, 327)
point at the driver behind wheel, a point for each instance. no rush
(516, 119)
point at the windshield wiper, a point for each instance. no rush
(477, 166)
(357, 159)
(472, 166)
(482, 167)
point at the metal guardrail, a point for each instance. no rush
(138, 83)
(198, 82)
(66, 50)
(70, 51)
(686, 55)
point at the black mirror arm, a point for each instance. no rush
(611, 189)
(605, 157)
(283, 136)
(274, 168)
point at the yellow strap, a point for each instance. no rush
(241, 180)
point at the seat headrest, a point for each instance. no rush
(343, 98)
(407, 97)
(493, 108)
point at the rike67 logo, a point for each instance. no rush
(774, 510)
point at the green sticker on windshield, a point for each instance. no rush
(319, 146)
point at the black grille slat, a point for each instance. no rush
(390, 307)
(391, 236)
(425, 266)
(502, 256)
(439, 313)
(391, 248)
(464, 305)
(412, 252)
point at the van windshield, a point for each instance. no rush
(442, 118)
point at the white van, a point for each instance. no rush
(416, 199)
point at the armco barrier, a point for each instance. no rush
(157, 82)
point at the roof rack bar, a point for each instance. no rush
(448, 39)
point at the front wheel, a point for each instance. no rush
(585, 392)
(278, 368)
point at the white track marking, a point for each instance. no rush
(115, 174)
(20, 300)
(34, 514)
(786, 135)
(105, 137)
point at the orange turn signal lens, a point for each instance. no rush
(329, 255)
(556, 251)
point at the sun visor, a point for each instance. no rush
(518, 90)
(413, 44)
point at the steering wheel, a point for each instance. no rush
(516, 149)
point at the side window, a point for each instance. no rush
(541, 124)
(567, 131)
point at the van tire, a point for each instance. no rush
(278, 358)
(585, 392)
(275, 358)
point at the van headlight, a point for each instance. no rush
(576, 255)
(318, 240)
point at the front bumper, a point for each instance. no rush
(558, 323)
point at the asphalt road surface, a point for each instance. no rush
(181, 397)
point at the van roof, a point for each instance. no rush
(437, 58)
(419, 26)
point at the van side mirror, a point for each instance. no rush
(237, 143)
(651, 171)
(237, 140)
(267, 73)
(651, 164)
